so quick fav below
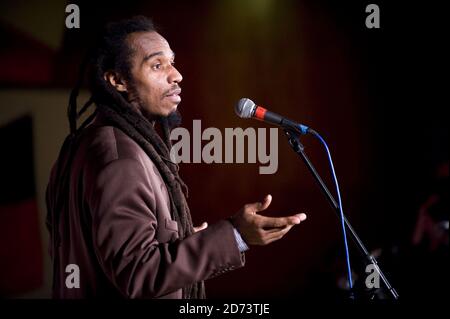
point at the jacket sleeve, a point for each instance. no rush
(124, 237)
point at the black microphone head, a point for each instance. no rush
(245, 108)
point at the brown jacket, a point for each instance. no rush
(116, 226)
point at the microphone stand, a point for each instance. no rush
(294, 141)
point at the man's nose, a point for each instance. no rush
(175, 76)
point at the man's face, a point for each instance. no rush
(155, 81)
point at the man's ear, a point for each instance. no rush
(116, 80)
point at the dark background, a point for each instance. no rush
(373, 94)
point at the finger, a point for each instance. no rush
(266, 202)
(269, 241)
(259, 206)
(275, 232)
(269, 230)
(271, 237)
(277, 222)
(276, 229)
(201, 227)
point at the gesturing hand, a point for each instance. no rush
(257, 229)
(204, 225)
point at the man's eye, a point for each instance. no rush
(172, 62)
(156, 66)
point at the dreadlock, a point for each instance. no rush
(113, 53)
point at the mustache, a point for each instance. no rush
(174, 88)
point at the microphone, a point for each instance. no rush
(246, 108)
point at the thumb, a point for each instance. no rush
(265, 203)
(259, 206)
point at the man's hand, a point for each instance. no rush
(201, 227)
(256, 229)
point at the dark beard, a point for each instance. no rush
(174, 119)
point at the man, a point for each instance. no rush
(116, 203)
